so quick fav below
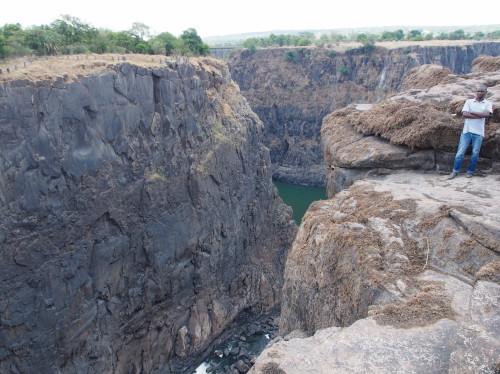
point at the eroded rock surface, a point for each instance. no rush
(398, 272)
(416, 129)
(138, 219)
(395, 274)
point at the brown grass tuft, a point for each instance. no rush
(272, 368)
(431, 220)
(486, 64)
(426, 308)
(489, 272)
(426, 76)
(425, 125)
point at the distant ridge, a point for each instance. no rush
(352, 30)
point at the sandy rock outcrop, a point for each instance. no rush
(395, 274)
(415, 129)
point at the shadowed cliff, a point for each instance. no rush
(138, 218)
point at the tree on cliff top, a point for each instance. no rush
(193, 42)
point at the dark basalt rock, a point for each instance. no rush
(137, 219)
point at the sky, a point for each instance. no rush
(224, 17)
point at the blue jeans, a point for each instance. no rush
(465, 140)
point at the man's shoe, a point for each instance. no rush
(452, 175)
(468, 175)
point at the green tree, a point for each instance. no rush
(305, 38)
(3, 43)
(302, 42)
(343, 70)
(163, 44)
(291, 56)
(457, 35)
(125, 40)
(493, 34)
(479, 35)
(193, 42)
(399, 34)
(273, 39)
(281, 40)
(387, 36)
(414, 35)
(337, 38)
(102, 42)
(73, 30)
(15, 41)
(43, 40)
(323, 39)
(141, 46)
(10, 29)
(251, 42)
(368, 40)
(141, 30)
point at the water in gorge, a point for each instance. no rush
(247, 344)
(299, 197)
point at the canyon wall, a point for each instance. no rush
(293, 89)
(138, 218)
(399, 270)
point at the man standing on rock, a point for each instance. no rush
(475, 111)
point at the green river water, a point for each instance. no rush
(299, 197)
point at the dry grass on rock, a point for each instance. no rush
(426, 308)
(486, 64)
(489, 272)
(73, 67)
(423, 126)
(272, 368)
(427, 76)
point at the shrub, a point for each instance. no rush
(343, 70)
(332, 53)
(291, 56)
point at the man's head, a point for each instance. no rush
(480, 92)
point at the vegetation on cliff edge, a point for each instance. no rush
(69, 35)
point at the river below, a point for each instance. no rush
(299, 197)
(248, 344)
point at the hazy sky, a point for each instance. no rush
(224, 17)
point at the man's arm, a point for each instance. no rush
(477, 115)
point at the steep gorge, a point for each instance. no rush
(293, 89)
(398, 272)
(138, 218)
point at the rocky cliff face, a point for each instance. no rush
(293, 96)
(398, 272)
(138, 219)
(395, 274)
